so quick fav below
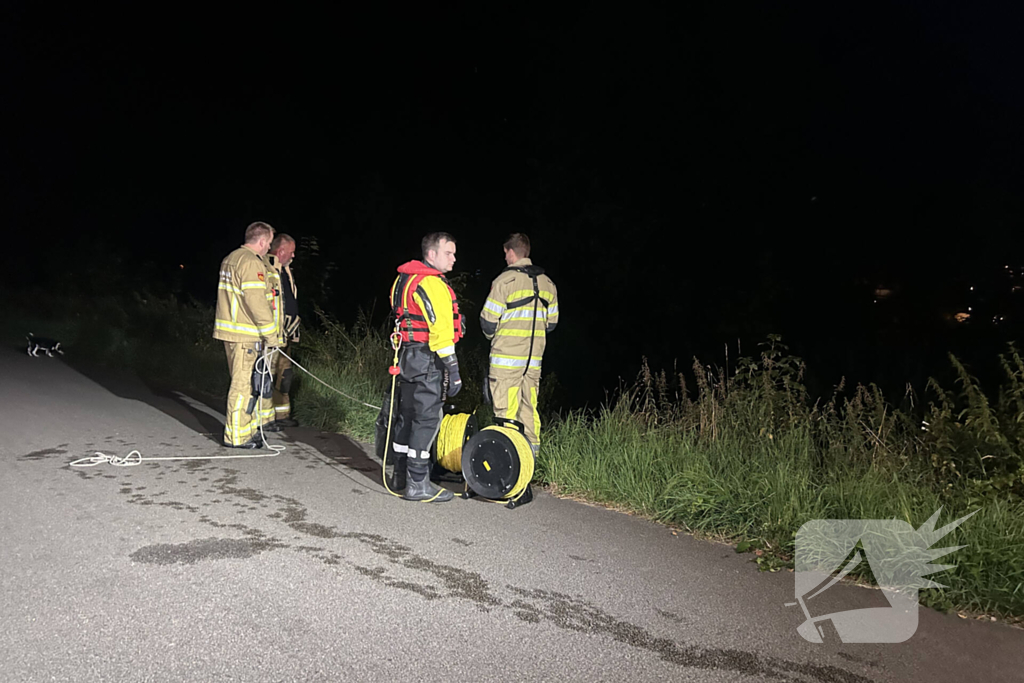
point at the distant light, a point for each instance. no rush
(962, 317)
(969, 308)
(972, 289)
(182, 266)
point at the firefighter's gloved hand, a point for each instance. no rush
(454, 379)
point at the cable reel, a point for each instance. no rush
(497, 463)
(456, 430)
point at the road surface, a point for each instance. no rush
(299, 567)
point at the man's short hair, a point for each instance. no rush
(257, 230)
(519, 243)
(433, 241)
(280, 239)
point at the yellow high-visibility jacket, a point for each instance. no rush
(517, 319)
(424, 305)
(248, 309)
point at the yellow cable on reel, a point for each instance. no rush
(526, 464)
(450, 439)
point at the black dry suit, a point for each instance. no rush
(420, 292)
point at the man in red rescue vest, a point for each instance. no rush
(426, 314)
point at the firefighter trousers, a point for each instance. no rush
(514, 397)
(240, 426)
(282, 369)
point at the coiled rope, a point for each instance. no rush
(450, 440)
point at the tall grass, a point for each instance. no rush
(744, 455)
(354, 360)
(750, 457)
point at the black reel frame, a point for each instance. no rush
(513, 474)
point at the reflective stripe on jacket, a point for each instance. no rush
(247, 306)
(517, 316)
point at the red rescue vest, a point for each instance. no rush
(409, 317)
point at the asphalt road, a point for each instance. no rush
(299, 567)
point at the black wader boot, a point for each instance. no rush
(396, 480)
(420, 487)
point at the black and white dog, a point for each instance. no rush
(41, 345)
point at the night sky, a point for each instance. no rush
(690, 177)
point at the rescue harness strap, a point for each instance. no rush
(533, 272)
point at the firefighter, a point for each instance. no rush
(520, 311)
(282, 251)
(247, 321)
(426, 314)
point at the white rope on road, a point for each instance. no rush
(135, 457)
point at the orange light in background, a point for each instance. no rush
(182, 266)
(962, 317)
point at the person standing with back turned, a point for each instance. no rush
(247, 321)
(520, 311)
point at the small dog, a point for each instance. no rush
(41, 345)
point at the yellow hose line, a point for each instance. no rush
(396, 342)
(450, 440)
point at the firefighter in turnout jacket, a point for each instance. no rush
(427, 316)
(247, 321)
(520, 311)
(282, 251)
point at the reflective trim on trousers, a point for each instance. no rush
(514, 362)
